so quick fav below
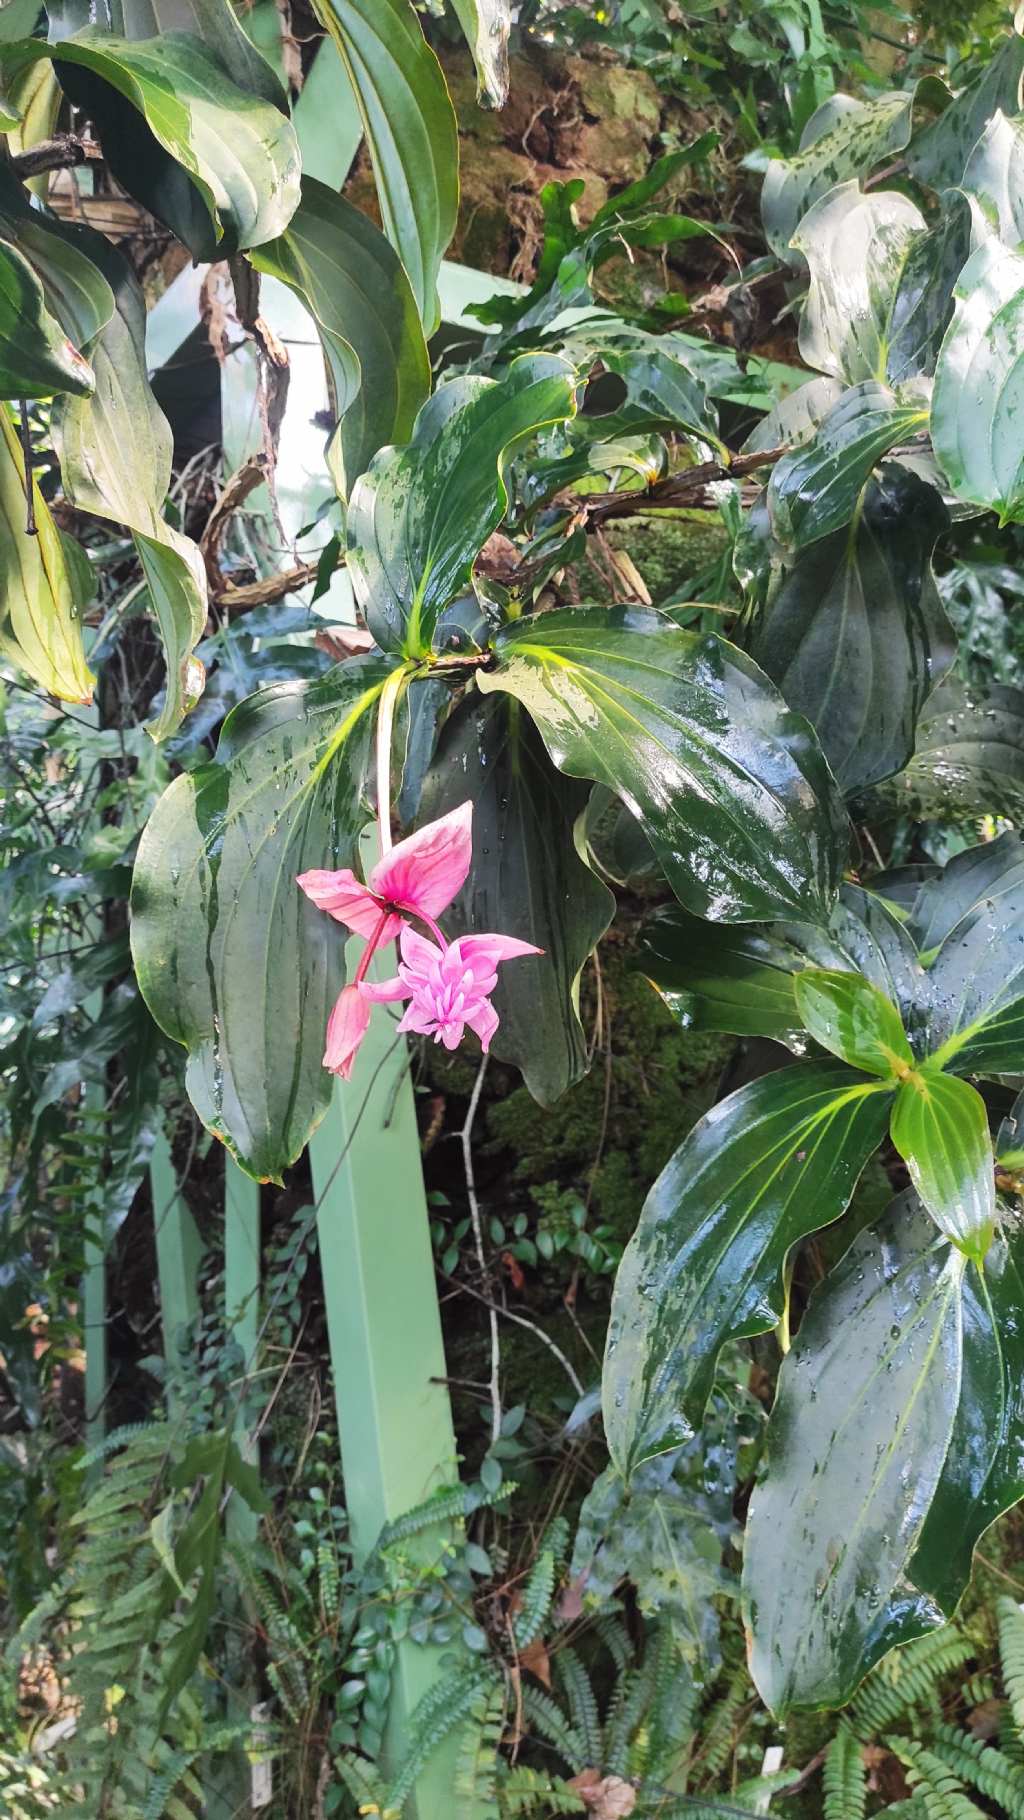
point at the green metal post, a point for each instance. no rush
(178, 1251)
(394, 1414)
(94, 1289)
(242, 1311)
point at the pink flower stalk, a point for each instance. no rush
(448, 983)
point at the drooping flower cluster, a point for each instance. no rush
(447, 984)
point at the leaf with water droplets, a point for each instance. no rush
(775, 1161)
(978, 401)
(940, 1128)
(969, 757)
(856, 247)
(848, 1015)
(969, 927)
(232, 958)
(728, 785)
(816, 489)
(857, 1439)
(940, 154)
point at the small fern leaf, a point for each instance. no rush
(844, 1779)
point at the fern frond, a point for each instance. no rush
(844, 1780)
(1010, 1620)
(540, 1586)
(942, 1792)
(476, 1766)
(443, 1507)
(907, 1678)
(547, 1717)
(524, 1792)
(442, 1708)
(582, 1702)
(984, 1767)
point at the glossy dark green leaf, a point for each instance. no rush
(353, 282)
(923, 304)
(420, 515)
(775, 1161)
(410, 129)
(526, 879)
(969, 926)
(855, 634)
(213, 21)
(856, 247)
(231, 957)
(664, 390)
(115, 452)
(939, 155)
(848, 1015)
(983, 1473)
(729, 786)
(40, 620)
(815, 490)
(37, 359)
(940, 1128)
(487, 24)
(215, 162)
(969, 755)
(979, 384)
(857, 1439)
(838, 142)
(60, 254)
(716, 976)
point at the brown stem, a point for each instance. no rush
(270, 588)
(686, 488)
(62, 153)
(31, 529)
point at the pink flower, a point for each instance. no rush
(346, 1028)
(419, 876)
(448, 986)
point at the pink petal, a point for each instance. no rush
(347, 1026)
(485, 951)
(429, 868)
(483, 1018)
(418, 953)
(345, 898)
(383, 992)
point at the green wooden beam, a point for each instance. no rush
(384, 1326)
(178, 1251)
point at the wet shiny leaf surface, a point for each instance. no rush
(728, 785)
(715, 976)
(356, 288)
(36, 357)
(487, 24)
(995, 174)
(969, 755)
(940, 1128)
(410, 130)
(855, 634)
(856, 247)
(857, 1439)
(815, 490)
(526, 880)
(776, 1160)
(420, 515)
(852, 1018)
(978, 399)
(939, 155)
(215, 906)
(969, 925)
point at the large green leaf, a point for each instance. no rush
(232, 958)
(979, 383)
(838, 142)
(353, 282)
(61, 256)
(940, 1128)
(856, 247)
(983, 1473)
(213, 21)
(36, 357)
(218, 164)
(717, 976)
(410, 128)
(487, 24)
(969, 755)
(115, 453)
(923, 304)
(526, 880)
(795, 418)
(939, 155)
(815, 490)
(421, 514)
(848, 1015)
(969, 925)
(995, 174)
(775, 1161)
(728, 785)
(856, 636)
(858, 1436)
(40, 621)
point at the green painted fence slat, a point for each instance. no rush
(242, 1313)
(178, 1251)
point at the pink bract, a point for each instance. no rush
(448, 987)
(421, 875)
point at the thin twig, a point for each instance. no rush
(521, 1320)
(466, 1136)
